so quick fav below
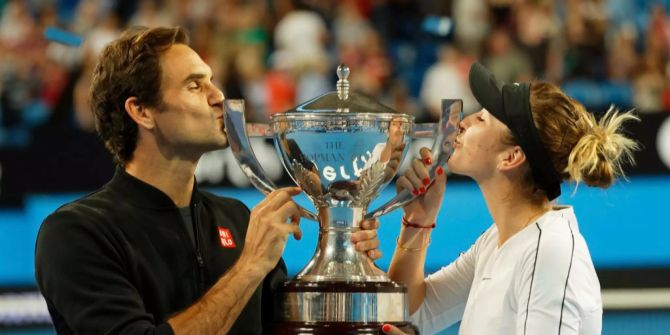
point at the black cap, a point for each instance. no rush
(510, 103)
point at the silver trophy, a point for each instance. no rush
(342, 148)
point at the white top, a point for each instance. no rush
(375, 156)
(540, 281)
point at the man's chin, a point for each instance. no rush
(218, 145)
(224, 141)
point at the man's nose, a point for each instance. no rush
(216, 97)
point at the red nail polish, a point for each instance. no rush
(440, 171)
(386, 328)
(428, 160)
(426, 181)
(422, 190)
(415, 192)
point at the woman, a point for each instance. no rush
(531, 271)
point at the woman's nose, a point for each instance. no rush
(467, 121)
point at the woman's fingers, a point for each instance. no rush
(419, 177)
(426, 156)
(416, 179)
(403, 183)
(392, 330)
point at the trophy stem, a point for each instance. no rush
(341, 291)
(336, 258)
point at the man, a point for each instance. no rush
(149, 252)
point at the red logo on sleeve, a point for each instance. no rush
(226, 238)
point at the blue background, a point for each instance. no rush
(626, 226)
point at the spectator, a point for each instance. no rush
(447, 80)
(505, 60)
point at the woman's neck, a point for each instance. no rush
(511, 210)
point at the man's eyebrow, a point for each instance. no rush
(194, 76)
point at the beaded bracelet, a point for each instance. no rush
(415, 225)
(402, 247)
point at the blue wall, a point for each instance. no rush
(626, 226)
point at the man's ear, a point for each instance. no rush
(511, 158)
(142, 115)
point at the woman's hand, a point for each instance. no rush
(392, 330)
(424, 209)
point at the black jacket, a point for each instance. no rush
(121, 261)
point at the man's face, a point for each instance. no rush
(190, 121)
(396, 133)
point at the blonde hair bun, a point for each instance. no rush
(598, 157)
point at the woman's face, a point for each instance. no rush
(478, 148)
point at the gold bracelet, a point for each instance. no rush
(402, 247)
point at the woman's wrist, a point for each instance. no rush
(406, 246)
(414, 222)
(413, 239)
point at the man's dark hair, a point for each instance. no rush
(129, 67)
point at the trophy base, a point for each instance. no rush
(338, 328)
(355, 308)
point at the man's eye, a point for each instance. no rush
(193, 86)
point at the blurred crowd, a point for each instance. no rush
(409, 54)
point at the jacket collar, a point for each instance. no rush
(141, 194)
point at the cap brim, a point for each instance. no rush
(487, 90)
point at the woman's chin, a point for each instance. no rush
(452, 165)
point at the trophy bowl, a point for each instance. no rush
(342, 149)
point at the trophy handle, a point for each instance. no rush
(452, 114)
(236, 131)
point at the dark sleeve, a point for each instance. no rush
(271, 300)
(80, 272)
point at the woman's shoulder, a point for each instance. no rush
(560, 222)
(556, 238)
(490, 235)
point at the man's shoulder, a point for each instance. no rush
(91, 208)
(78, 226)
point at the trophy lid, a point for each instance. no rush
(343, 101)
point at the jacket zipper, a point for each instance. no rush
(198, 255)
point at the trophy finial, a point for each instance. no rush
(343, 82)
